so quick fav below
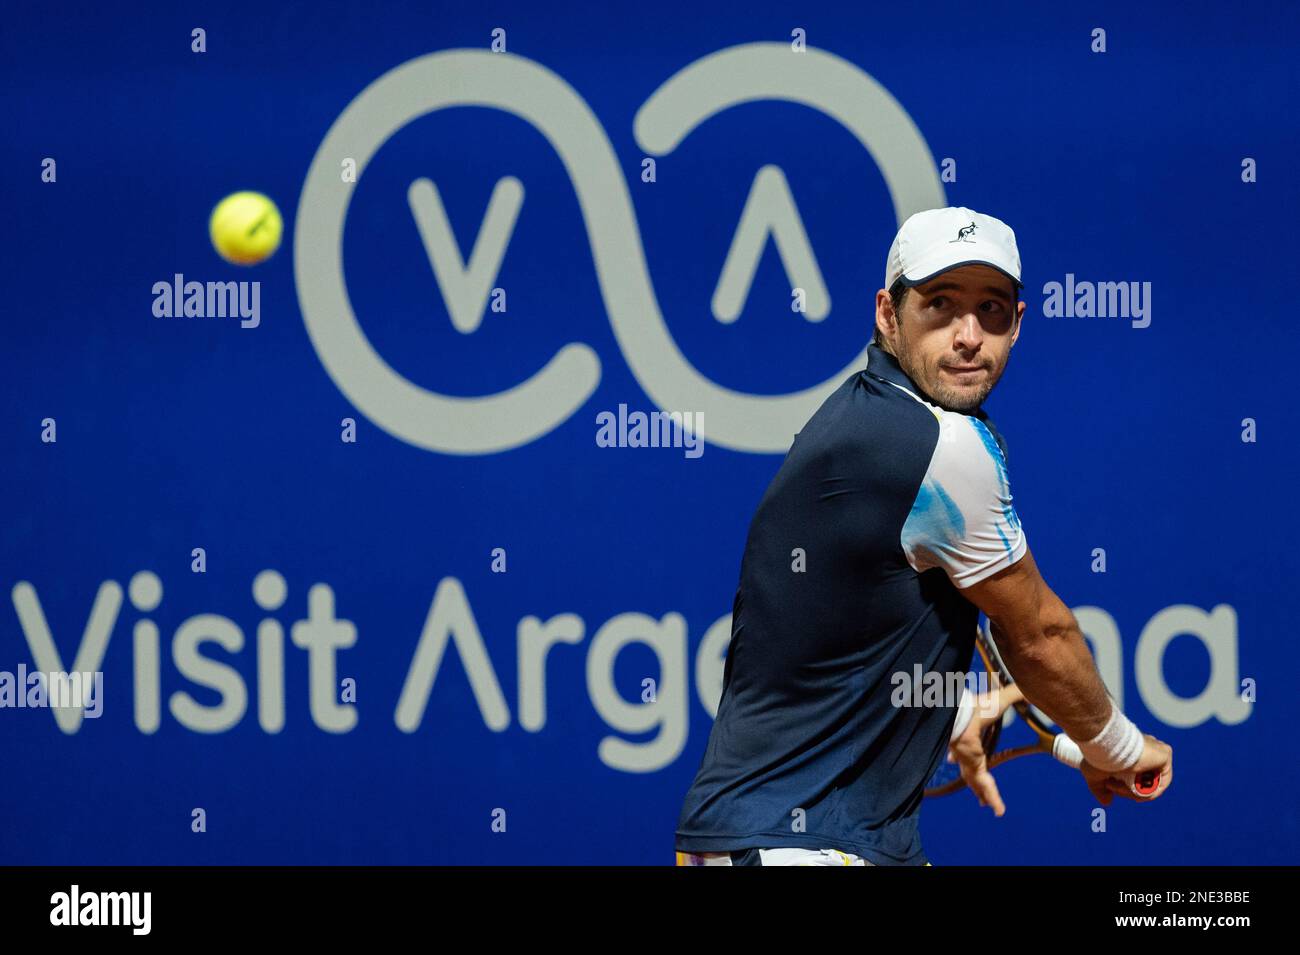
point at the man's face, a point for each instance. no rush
(954, 335)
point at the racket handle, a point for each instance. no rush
(1067, 751)
(1145, 784)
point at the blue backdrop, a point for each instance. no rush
(172, 434)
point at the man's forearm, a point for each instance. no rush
(1044, 649)
(1057, 674)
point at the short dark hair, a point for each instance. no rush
(898, 295)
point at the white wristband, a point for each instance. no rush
(1067, 750)
(1118, 746)
(965, 709)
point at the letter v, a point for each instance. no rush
(90, 655)
(465, 288)
(770, 210)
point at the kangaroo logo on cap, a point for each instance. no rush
(963, 235)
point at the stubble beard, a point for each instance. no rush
(936, 391)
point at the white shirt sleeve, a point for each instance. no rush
(962, 519)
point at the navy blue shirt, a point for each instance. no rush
(885, 507)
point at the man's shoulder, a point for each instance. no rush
(867, 408)
(866, 427)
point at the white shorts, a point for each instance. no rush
(776, 857)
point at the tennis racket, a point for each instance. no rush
(947, 778)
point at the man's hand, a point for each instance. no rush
(1157, 757)
(967, 751)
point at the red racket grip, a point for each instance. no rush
(1146, 783)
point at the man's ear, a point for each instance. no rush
(884, 313)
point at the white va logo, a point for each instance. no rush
(519, 415)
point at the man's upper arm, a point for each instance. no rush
(962, 519)
(1018, 600)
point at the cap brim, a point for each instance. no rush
(912, 283)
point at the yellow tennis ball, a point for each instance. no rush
(245, 228)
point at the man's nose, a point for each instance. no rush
(969, 332)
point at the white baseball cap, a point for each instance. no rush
(937, 240)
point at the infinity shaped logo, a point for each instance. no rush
(519, 415)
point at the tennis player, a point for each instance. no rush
(886, 531)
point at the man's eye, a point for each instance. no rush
(939, 301)
(997, 306)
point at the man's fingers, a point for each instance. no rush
(981, 783)
(986, 789)
(1124, 788)
(1099, 791)
(1119, 788)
